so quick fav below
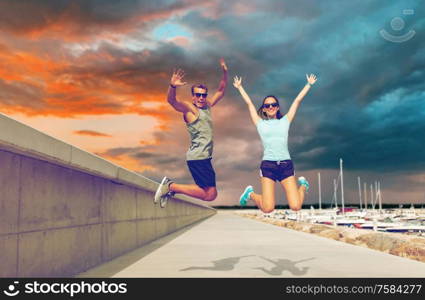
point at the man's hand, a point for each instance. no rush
(176, 79)
(223, 64)
(237, 82)
(311, 79)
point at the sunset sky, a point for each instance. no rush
(95, 74)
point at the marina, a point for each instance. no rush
(391, 220)
(366, 216)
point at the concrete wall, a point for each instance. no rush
(64, 210)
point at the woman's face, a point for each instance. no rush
(270, 107)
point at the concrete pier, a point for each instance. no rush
(228, 245)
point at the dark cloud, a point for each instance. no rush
(138, 71)
(120, 151)
(80, 17)
(21, 94)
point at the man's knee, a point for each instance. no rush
(211, 195)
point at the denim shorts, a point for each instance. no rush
(277, 170)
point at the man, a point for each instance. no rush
(197, 116)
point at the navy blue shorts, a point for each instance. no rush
(202, 172)
(277, 170)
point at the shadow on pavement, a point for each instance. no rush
(280, 265)
(225, 264)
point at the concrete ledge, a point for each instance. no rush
(43, 254)
(9, 187)
(135, 179)
(64, 210)
(93, 164)
(9, 255)
(20, 138)
(409, 246)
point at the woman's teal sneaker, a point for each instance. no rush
(243, 200)
(304, 182)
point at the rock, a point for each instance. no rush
(351, 236)
(396, 244)
(413, 251)
(330, 233)
(418, 241)
(380, 241)
(318, 228)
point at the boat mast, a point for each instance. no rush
(379, 197)
(320, 193)
(335, 197)
(342, 186)
(360, 191)
(365, 194)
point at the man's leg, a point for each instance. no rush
(188, 189)
(206, 194)
(204, 176)
(211, 192)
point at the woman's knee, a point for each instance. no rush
(267, 208)
(294, 202)
(295, 207)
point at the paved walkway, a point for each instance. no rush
(227, 245)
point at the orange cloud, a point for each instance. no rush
(91, 133)
(27, 67)
(64, 90)
(181, 41)
(153, 142)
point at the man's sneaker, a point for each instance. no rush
(304, 182)
(243, 200)
(163, 188)
(164, 199)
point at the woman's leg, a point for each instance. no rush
(294, 194)
(265, 201)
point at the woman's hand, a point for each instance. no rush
(237, 82)
(311, 79)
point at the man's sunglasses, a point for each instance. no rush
(198, 95)
(270, 105)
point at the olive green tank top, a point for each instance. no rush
(201, 136)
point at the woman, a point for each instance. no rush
(273, 129)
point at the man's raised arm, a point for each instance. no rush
(176, 81)
(222, 86)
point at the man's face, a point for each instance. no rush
(200, 97)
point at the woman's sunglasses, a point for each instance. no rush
(270, 105)
(198, 95)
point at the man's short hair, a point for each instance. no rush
(199, 86)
